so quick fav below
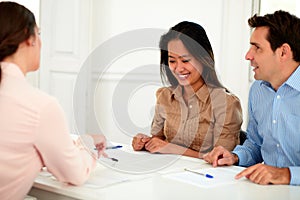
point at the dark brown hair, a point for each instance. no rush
(17, 24)
(195, 40)
(283, 28)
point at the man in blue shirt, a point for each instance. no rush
(272, 149)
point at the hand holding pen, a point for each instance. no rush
(114, 147)
(111, 147)
(100, 144)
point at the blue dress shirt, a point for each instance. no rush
(274, 126)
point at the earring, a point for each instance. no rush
(33, 44)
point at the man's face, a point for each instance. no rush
(264, 61)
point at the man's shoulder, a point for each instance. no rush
(256, 85)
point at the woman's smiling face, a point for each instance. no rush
(185, 67)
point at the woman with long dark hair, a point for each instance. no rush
(33, 129)
(195, 112)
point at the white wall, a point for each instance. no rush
(74, 29)
(226, 25)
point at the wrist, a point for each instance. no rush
(86, 142)
(286, 176)
(235, 159)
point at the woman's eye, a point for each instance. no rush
(186, 61)
(171, 61)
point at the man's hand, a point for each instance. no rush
(264, 174)
(220, 156)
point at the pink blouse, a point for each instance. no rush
(34, 134)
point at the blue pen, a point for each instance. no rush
(199, 173)
(114, 147)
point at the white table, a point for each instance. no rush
(158, 186)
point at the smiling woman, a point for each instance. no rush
(195, 113)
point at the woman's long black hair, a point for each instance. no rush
(195, 40)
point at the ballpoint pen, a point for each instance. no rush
(199, 173)
(113, 159)
(114, 147)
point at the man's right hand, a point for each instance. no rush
(220, 156)
(139, 141)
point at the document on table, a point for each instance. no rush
(103, 177)
(221, 176)
(137, 162)
(143, 162)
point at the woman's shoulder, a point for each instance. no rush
(40, 99)
(222, 93)
(164, 91)
(223, 101)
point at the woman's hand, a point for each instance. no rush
(157, 145)
(139, 141)
(100, 144)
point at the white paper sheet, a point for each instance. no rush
(220, 175)
(143, 162)
(137, 162)
(106, 178)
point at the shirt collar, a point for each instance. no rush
(293, 81)
(11, 69)
(202, 93)
(266, 84)
(177, 92)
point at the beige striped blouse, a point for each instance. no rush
(211, 117)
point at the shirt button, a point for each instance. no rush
(277, 145)
(190, 106)
(278, 96)
(274, 121)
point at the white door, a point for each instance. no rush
(65, 45)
